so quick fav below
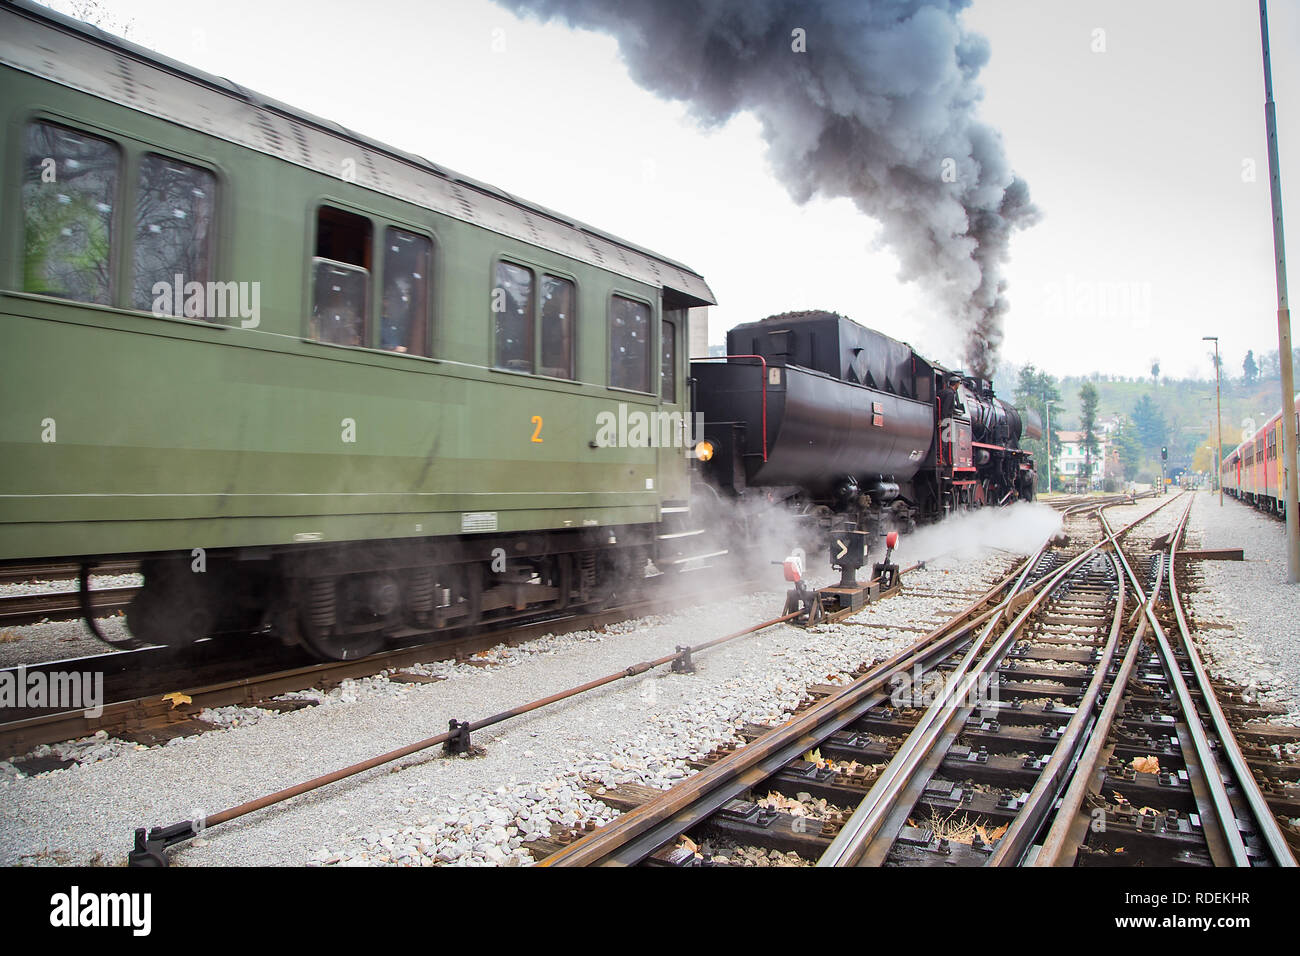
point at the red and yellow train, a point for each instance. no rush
(1252, 472)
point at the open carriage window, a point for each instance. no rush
(340, 277)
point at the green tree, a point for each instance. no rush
(1033, 390)
(1129, 450)
(1088, 419)
(1249, 370)
(1149, 423)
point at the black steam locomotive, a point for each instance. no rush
(856, 427)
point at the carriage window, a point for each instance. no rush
(512, 308)
(557, 327)
(69, 189)
(339, 302)
(668, 363)
(629, 344)
(173, 236)
(407, 259)
(340, 277)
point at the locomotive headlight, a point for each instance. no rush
(704, 450)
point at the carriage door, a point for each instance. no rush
(671, 426)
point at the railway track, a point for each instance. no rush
(47, 606)
(37, 607)
(140, 684)
(151, 844)
(31, 573)
(1059, 719)
(1072, 502)
(957, 751)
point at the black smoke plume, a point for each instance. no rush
(880, 107)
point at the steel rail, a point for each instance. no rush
(1200, 740)
(1053, 849)
(851, 845)
(49, 606)
(1016, 841)
(1017, 838)
(19, 574)
(156, 670)
(863, 827)
(1213, 825)
(1265, 821)
(1224, 841)
(150, 849)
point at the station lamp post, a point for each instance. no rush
(1218, 429)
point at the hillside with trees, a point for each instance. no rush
(1153, 411)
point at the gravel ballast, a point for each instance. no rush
(1250, 614)
(532, 772)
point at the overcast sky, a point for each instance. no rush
(1137, 142)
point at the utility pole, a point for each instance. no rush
(1048, 403)
(1283, 313)
(1218, 430)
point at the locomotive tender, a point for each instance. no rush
(812, 407)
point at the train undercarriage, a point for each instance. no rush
(341, 602)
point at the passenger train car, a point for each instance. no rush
(321, 387)
(1252, 472)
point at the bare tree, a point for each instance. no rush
(94, 13)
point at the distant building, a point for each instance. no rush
(1071, 459)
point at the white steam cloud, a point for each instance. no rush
(1019, 529)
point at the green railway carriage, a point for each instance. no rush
(362, 393)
